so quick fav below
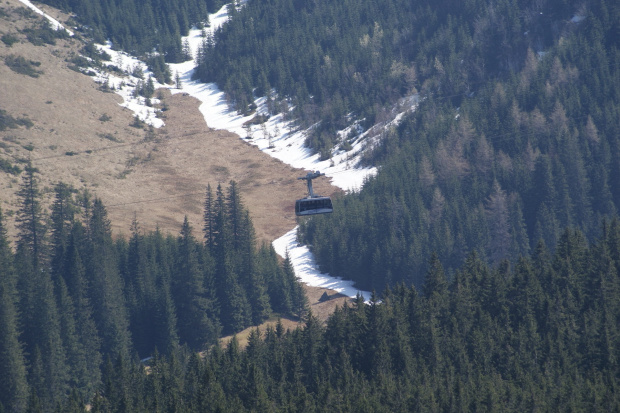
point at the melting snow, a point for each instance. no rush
(55, 23)
(306, 269)
(125, 84)
(276, 137)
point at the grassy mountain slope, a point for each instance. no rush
(128, 166)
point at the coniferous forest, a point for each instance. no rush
(518, 160)
(73, 298)
(491, 229)
(540, 335)
(140, 27)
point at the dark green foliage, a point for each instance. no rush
(491, 339)
(361, 56)
(9, 39)
(91, 51)
(9, 122)
(496, 171)
(22, 66)
(44, 34)
(106, 285)
(196, 311)
(13, 384)
(160, 69)
(9, 168)
(139, 27)
(30, 221)
(71, 296)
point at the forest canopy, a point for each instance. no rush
(72, 297)
(140, 27)
(540, 335)
(517, 161)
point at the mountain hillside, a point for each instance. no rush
(78, 134)
(531, 149)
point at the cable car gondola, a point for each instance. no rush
(313, 204)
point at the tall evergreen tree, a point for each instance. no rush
(235, 311)
(106, 288)
(13, 383)
(196, 325)
(77, 285)
(209, 217)
(62, 216)
(30, 222)
(49, 374)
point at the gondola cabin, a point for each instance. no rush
(313, 206)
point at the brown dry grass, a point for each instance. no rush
(320, 310)
(158, 180)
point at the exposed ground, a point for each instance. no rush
(81, 136)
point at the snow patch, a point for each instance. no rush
(306, 269)
(53, 22)
(125, 84)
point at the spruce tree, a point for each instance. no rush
(255, 285)
(106, 288)
(161, 252)
(209, 217)
(194, 309)
(235, 311)
(30, 222)
(140, 291)
(42, 331)
(13, 383)
(77, 285)
(63, 212)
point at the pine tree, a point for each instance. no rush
(30, 222)
(194, 309)
(435, 284)
(497, 215)
(13, 383)
(177, 80)
(140, 291)
(63, 212)
(80, 377)
(106, 289)
(77, 286)
(209, 217)
(42, 331)
(235, 311)
(298, 299)
(256, 287)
